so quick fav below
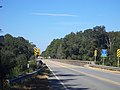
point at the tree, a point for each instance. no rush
(15, 55)
(7, 63)
(81, 45)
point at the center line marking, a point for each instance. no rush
(94, 76)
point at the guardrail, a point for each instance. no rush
(24, 76)
(105, 67)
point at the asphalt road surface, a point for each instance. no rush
(71, 77)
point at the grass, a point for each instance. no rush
(36, 82)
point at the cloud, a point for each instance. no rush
(53, 14)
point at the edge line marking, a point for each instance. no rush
(57, 78)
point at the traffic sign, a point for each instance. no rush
(95, 53)
(36, 51)
(118, 53)
(104, 53)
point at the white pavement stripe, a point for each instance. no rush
(58, 78)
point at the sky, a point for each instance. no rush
(41, 21)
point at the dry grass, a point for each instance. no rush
(37, 82)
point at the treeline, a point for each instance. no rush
(14, 56)
(81, 45)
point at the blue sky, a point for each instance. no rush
(41, 21)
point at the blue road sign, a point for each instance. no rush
(104, 53)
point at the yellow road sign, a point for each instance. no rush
(118, 53)
(36, 51)
(95, 53)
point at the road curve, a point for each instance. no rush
(71, 77)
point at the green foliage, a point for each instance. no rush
(33, 65)
(21, 61)
(15, 55)
(81, 45)
(7, 63)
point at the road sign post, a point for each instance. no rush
(103, 61)
(118, 55)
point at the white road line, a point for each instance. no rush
(94, 76)
(58, 78)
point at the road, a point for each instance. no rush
(71, 77)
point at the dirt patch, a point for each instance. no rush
(42, 76)
(72, 62)
(105, 70)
